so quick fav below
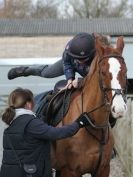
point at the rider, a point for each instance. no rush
(77, 57)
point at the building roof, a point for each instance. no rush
(40, 27)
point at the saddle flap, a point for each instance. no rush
(41, 103)
(58, 106)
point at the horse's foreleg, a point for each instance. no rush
(104, 172)
(58, 173)
(69, 173)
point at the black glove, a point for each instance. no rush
(83, 120)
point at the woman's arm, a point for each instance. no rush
(38, 129)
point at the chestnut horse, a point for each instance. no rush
(103, 92)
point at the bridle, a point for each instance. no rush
(104, 128)
(106, 102)
(122, 91)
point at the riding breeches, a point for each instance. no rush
(54, 70)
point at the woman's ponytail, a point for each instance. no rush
(8, 115)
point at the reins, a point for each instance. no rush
(91, 121)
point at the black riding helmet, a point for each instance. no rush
(82, 46)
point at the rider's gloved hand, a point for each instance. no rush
(75, 83)
(83, 120)
(71, 83)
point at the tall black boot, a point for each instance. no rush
(26, 71)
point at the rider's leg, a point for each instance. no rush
(53, 70)
(47, 71)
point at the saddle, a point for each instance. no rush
(52, 106)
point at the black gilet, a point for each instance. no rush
(29, 151)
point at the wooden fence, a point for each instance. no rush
(123, 133)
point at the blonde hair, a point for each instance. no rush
(17, 99)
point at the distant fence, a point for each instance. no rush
(123, 133)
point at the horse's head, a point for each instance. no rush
(113, 75)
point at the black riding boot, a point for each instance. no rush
(26, 71)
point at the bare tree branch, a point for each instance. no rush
(46, 9)
(99, 8)
(66, 9)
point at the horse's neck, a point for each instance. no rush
(92, 90)
(93, 97)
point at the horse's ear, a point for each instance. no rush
(99, 47)
(120, 44)
(96, 35)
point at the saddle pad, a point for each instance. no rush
(41, 104)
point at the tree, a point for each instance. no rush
(130, 10)
(98, 8)
(66, 8)
(45, 9)
(26, 8)
(17, 8)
